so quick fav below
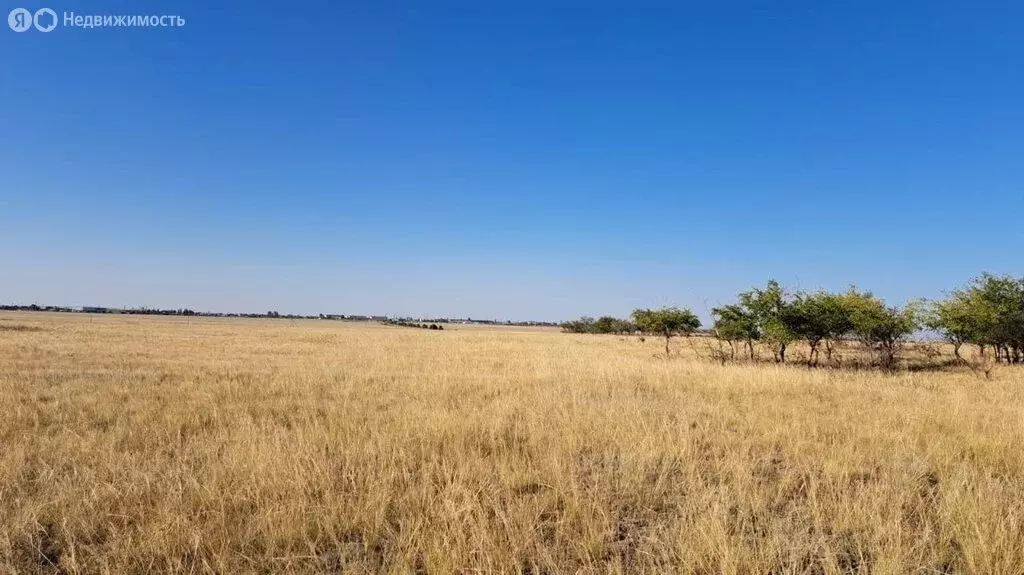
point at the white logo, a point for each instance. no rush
(19, 19)
(45, 20)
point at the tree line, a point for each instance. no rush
(988, 312)
(404, 323)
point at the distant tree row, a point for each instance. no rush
(149, 311)
(403, 323)
(35, 307)
(603, 324)
(988, 312)
(665, 322)
(272, 314)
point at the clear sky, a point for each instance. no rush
(512, 160)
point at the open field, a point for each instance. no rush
(141, 444)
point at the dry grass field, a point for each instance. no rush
(142, 444)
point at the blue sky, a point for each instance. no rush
(515, 160)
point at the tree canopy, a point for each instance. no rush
(666, 322)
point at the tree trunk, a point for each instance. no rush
(956, 349)
(888, 356)
(782, 353)
(667, 338)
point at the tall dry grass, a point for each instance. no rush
(163, 444)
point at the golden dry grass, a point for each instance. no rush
(163, 444)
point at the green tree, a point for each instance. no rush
(583, 325)
(733, 324)
(768, 307)
(960, 319)
(666, 322)
(818, 318)
(605, 324)
(882, 329)
(998, 310)
(623, 327)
